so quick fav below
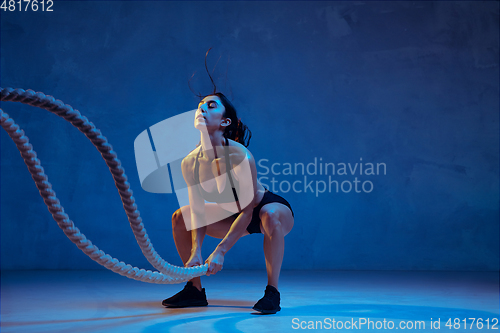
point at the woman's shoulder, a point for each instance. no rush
(191, 157)
(238, 152)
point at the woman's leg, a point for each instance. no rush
(183, 239)
(276, 223)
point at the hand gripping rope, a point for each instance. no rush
(168, 274)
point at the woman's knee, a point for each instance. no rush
(270, 221)
(288, 225)
(178, 220)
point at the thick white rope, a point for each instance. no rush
(168, 273)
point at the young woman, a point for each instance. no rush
(222, 167)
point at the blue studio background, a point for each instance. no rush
(412, 85)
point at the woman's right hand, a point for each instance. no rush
(194, 260)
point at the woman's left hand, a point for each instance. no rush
(215, 262)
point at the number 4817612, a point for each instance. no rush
(27, 5)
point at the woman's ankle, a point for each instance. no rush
(196, 283)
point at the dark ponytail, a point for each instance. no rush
(236, 131)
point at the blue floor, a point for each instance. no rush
(101, 301)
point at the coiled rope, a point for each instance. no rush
(168, 273)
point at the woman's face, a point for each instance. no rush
(210, 114)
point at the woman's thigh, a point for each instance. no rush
(218, 223)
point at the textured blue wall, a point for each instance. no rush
(414, 85)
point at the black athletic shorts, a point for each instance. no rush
(269, 197)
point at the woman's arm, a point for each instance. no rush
(197, 207)
(246, 172)
(236, 231)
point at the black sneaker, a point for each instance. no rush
(270, 303)
(189, 296)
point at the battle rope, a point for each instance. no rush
(168, 273)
